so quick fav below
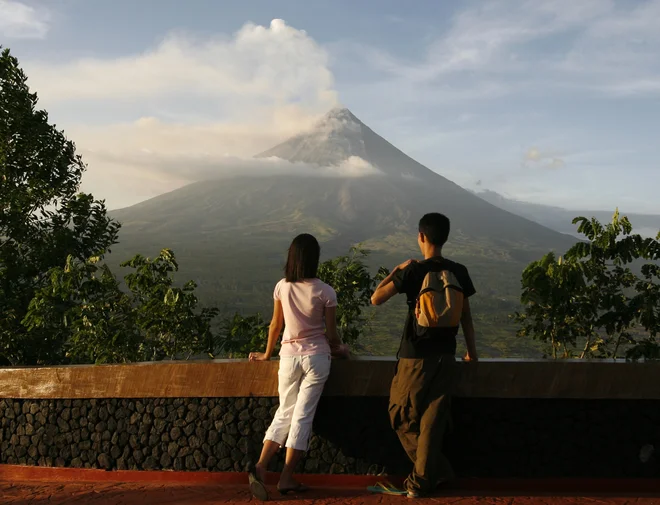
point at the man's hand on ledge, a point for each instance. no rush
(259, 356)
(469, 358)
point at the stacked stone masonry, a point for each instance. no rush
(488, 437)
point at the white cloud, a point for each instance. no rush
(486, 36)
(132, 162)
(354, 166)
(410, 177)
(277, 63)
(21, 21)
(641, 20)
(152, 173)
(259, 130)
(537, 158)
(186, 168)
(618, 49)
(641, 86)
(187, 100)
(530, 46)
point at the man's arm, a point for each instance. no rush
(468, 332)
(386, 289)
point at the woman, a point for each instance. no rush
(306, 307)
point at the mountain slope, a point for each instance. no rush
(230, 234)
(560, 219)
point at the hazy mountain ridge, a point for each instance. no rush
(560, 219)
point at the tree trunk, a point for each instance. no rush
(616, 347)
(586, 347)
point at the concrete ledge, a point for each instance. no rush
(357, 377)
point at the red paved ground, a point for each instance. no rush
(25, 485)
(112, 493)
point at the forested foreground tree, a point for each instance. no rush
(83, 306)
(58, 303)
(43, 218)
(601, 299)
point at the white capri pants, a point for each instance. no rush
(300, 384)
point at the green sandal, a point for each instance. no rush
(386, 488)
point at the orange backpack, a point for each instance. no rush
(439, 304)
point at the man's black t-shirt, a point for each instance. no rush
(409, 281)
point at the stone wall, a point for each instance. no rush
(172, 433)
(489, 438)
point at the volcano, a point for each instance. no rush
(230, 234)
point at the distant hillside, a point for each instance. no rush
(230, 234)
(560, 219)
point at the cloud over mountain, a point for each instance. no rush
(207, 99)
(195, 168)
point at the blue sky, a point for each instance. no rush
(553, 102)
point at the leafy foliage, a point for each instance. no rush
(556, 312)
(167, 316)
(240, 335)
(354, 285)
(43, 219)
(86, 312)
(597, 295)
(83, 313)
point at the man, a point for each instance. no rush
(438, 292)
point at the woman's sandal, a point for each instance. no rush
(257, 488)
(300, 488)
(386, 488)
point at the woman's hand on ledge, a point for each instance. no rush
(342, 351)
(259, 356)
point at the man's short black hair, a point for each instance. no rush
(435, 227)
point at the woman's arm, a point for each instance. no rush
(274, 331)
(331, 327)
(337, 349)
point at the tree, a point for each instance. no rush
(83, 306)
(43, 218)
(599, 294)
(556, 311)
(354, 285)
(167, 316)
(240, 335)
